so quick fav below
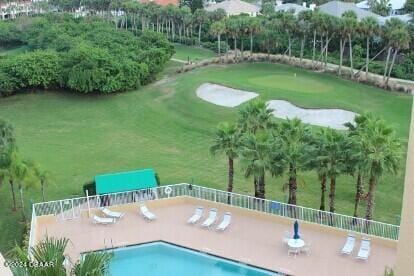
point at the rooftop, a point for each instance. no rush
(291, 6)
(234, 7)
(337, 8)
(254, 237)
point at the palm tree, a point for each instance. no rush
(227, 141)
(200, 17)
(41, 176)
(218, 28)
(295, 139)
(254, 26)
(382, 153)
(319, 162)
(19, 173)
(336, 148)
(255, 116)
(304, 23)
(349, 24)
(315, 26)
(6, 144)
(369, 27)
(257, 159)
(400, 40)
(287, 21)
(52, 251)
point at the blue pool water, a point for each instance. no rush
(162, 259)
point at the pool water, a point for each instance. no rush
(159, 258)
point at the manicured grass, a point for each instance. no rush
(166, 127)
(183, 52)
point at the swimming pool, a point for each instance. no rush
(161, 259)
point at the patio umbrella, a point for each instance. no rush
(296, 230)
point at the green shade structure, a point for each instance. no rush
(125, 181)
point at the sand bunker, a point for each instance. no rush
(223, 96)
(333, 118)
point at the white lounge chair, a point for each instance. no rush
(100, 220)
(146, 213)
(212, 217)
(198, 213)
(349, 245)
(112, 214)
(225, 223)
(365, 249)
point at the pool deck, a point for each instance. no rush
(253, 238)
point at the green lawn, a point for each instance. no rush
(183, 52)
(166, 127)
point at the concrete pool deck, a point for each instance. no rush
(253, 238)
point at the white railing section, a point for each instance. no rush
(72, 208)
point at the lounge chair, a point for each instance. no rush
(212, 217)
(146, 213)
(225, 222)
(104, 221)
(349, 245)
(365, 249)
(198, 213)
(111, 214)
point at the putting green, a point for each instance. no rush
(292, 83)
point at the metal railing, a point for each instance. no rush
(72, 208)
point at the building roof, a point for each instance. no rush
(125, 181)
(337, 8)
(291, 6)
(162, 2)
(234, 7)
(395, 4)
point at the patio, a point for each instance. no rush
(253, 238)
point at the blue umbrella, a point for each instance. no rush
(296, 230)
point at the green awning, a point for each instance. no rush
(125, 181)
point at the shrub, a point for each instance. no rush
(214, 46)
(90, 187)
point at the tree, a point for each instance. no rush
(381, 7)
(6, 144)
(200, 17)
(381, 152)
(218, 28)
(254, 26)
(255, 116)
(399, 40)
(295, 139)
(52, 251)
(227, 141)
(41, 176)
(257, 159)
(349, 27)
(304, 23)
(369, 27)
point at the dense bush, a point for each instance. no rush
(83, 55)
(214, 46)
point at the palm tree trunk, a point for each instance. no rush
(251, 43)
(219, 47)
(332, 192)
(290, 46)
(241, 47)
(391, 66)
(261, 186)
(293, 185)
(22, 201)
(256, 187)
(227, 52)
(199, 34)
(350, 56)
(358, 194)
(323, 191)
(367, 59)
(302, 46)
(230, 179)
(386, 64)
(13, 194)
(235, 48)
(371, 198)
(43, 190)
(341, 54)
(314, 47)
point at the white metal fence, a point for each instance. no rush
(72, 208)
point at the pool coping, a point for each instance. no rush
(187, 248)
